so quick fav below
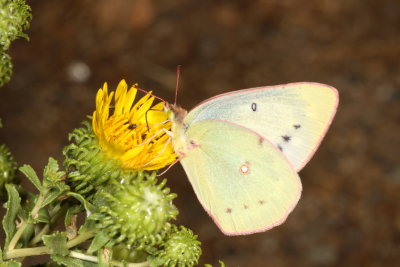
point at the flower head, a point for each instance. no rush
(135, 133)
(136, 211)
(181, 248)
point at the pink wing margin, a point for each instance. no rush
(333, 89)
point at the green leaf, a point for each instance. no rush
(51, 173)
(70, 212)
(89, 207)
(32, 176)
(87, 226)
(12, 206)
(57, 243)
(72, 262)
(43, 217)
(50, 197)
(98, 242)
(10, 264)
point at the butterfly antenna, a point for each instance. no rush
(178, 76)
(149, 93)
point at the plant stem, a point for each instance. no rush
(24, 224)
(55, 215)
(24, 252)
(85, 257)
(81, 238)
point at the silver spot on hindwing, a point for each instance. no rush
(245, 168)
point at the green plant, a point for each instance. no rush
(127, 211)
(15, 16)
(108, 180)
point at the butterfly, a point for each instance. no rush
(242, 150)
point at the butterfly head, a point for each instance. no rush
(175, 113)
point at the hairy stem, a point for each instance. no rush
(24, 224)
(24, 252)
(85, 257)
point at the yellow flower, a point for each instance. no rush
(126, 136)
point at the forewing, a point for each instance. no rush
(294, 117)
(242, 180)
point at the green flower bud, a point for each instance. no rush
(136, 211)
(14, 19)
(87, 165)
(122, 252)
(8, 166)
(181, 248)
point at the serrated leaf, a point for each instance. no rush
(88, 206)
(51, 196)
(87, 226)
(98, 242)
(57, 243)
(51, 173)
(32, 176)
(12, 206)
(10, 264)
(72, 262)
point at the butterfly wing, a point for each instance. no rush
(294, 117)
(242, 180)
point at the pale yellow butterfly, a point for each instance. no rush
(242, 150)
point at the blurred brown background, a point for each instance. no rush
(349, 214)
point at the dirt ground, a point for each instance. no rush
(349, 213)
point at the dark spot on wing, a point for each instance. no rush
(297, 126)
(280, 147)
(228, 210)
(245, 207)
(254, 106)
(286, 138)
(260, 141)
(261, 202)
